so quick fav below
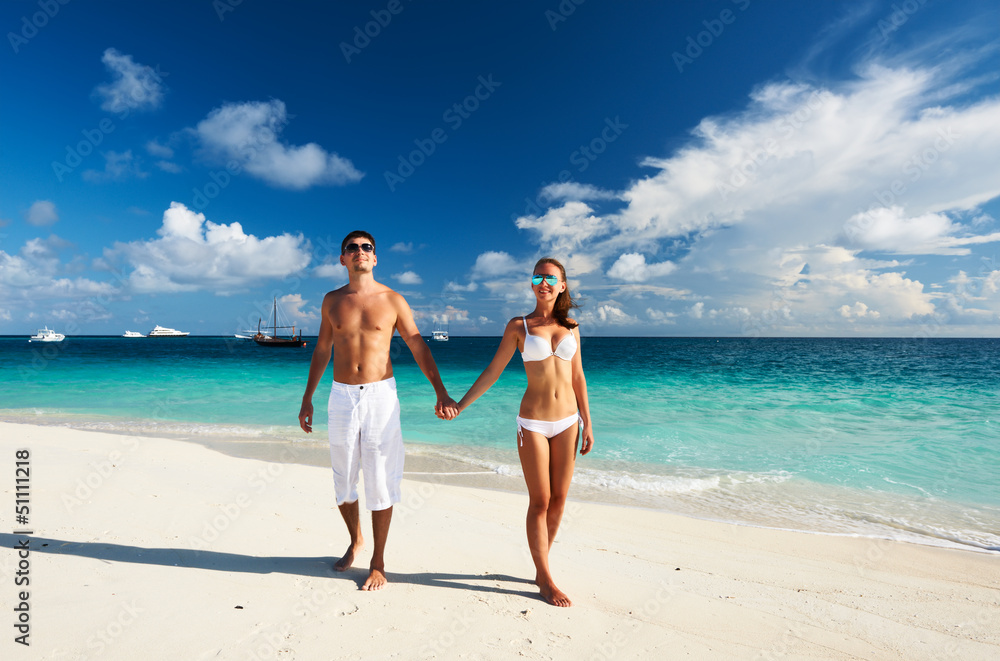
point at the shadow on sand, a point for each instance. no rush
(319, 567)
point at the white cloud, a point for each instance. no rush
(660, 316)
(168, 166)
(158, 150)
(991, 282)
(848, 146)
(42, 213)
(248, 133)
(292, 305)
(195, 254)
(973, 297)
(857, 311)
(575, 192)
(455, 287)
(605, 313)
(492, 263)
(889, 229)
(897, 160)
(562, 229)
(332, 270)
(449, 315)
(408, 278)
(36, 273)
(611, 315)
(162, 153)
(632, 267)
(839, 279)
(402, 247)
(117, 167)
(133, 86)
(697, 310)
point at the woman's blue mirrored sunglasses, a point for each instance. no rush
(552, 280)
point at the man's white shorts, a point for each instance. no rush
(365, 434)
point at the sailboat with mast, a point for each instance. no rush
(269, 336)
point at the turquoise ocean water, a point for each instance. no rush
(887, 438)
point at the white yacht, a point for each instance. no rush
(439, 335)
(129, 333)
(160, 331)
(46, 335)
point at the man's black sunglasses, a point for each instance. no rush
(354, 247)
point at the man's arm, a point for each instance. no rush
(407, 329)
(320, 359)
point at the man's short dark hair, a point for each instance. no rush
(353, 235)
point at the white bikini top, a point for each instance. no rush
(538, 348)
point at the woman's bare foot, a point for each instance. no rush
(376, 580)
(345, 563)
(552, 594)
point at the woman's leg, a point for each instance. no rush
(562, 460)
(533, 450)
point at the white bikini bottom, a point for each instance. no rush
(547, 428)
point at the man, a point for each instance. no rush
(358, 321)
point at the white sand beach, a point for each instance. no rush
(147, 548)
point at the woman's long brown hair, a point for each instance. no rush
(564, 301)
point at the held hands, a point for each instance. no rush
(446, 408)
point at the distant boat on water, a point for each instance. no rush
(129, 333)
(269, 337)
(46, 335)
(440, 333)
(160, 331)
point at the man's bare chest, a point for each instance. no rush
(352, 317)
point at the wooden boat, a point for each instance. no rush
(269, 336)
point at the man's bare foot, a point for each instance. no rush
(345, 563)
(376, 580)
(552, 594)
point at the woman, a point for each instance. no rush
(552, 408)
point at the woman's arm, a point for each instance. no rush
(508, 345)
(580, 388)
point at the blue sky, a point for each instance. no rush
(718, 168)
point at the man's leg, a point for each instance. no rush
(380, 530)
(382, 463)
(345, 450)
(350, 513)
